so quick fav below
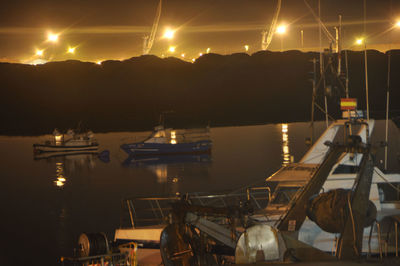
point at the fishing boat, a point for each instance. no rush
(69, 143)
(170, 141)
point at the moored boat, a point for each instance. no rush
(68, 143)
(169, 141)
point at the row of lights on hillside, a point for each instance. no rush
(53, 38)
(170, 34)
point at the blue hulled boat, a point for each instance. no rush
(169, 141)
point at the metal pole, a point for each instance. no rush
(365, 59)
(313, 99)
(387, 110)
(302, 40)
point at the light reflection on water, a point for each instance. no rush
(90, 199)
(286, 157)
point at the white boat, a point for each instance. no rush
(69, 143)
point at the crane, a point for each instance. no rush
(267, 38)
(148, 40)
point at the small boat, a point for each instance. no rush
(69, 143)
(169, 141)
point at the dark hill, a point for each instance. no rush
(223, 90)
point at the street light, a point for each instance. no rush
(169, 34)
(281, 30)
(360, 41)
(39, 52)
(208, 50)
(71, 50)
(397, 25)
(171, 49)
(51, 37)
(246, 47)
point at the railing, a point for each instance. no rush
(150, 211)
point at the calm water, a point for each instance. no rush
(46, 204)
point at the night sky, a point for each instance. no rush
(104, 29)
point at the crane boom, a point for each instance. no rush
(149, 39)
(266, 39)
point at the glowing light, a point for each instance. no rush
(59, 183)
(200, 54)
(397, 24)
(208, 50)
(172, 49)
(39, 52)
(71, 50)
(193, 60)
(183, 55)
(169, 34)
(173, 137)
(246, 47)
(359, 41)
(51, 37)
(99, 62)
(284, 128)
(281, 29)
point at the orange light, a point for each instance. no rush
(51, 37)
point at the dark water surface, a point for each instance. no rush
(41, 218)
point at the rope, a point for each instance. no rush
(387, 181)
(352, 222)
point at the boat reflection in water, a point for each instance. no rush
(67, 164)
(169, 168)
(287, 158)
(60, 176)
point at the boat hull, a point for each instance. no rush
(142, 148)
(41, 148)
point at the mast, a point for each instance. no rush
(365, 58)
(321, 64)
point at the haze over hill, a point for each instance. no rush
(265, 87)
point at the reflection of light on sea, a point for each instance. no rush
(171, 182)
(285, 145)
(60, 176)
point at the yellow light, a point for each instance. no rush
(59, 183)
(359, 41)
(71, 50)
(193, 60)
(281, 29)
(99, 62)
(284, 128)
(39, 52)
(171, 49)
(169, 33)
(208, 50)
(51, 37)
(246, 47)
(200, 54)
(397, 24)
(183, 55)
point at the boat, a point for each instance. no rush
(69, 143)
(169, 141)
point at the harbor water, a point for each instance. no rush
(47, 203)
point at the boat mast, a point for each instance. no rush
(321, 64)
(365, 58)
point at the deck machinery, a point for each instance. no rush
(198, 235)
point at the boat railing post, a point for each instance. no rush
(379, 239)
(396, 237)
(130, 213)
